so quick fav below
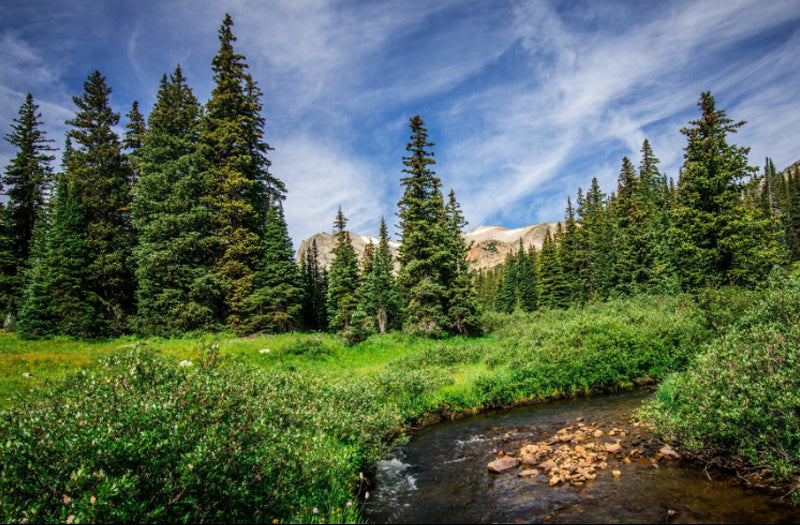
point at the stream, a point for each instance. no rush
(441, 476)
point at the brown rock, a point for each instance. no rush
(528, 473)
(503, 464)
(613, 448)
(548, 465)
(668, 452)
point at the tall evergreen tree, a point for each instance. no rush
(343, 281)
(568, 252)
(176, 288)
(136, 129)
(526, 271)
(507, 292)
(461, 307)
(276, 305)
(314, 310)
(240, 186)
(26, 183)
(380, 296)
(551, 288)
(88, 275)
(718, 238)
(424, 251)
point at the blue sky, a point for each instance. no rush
(526, 100)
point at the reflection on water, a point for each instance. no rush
(440, 476)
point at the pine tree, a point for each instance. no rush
(86, 275)
(551, 289)
(343, 279)
(424, 251)
(240, 187)
(276, 304)
(567, 252)
(314, 310)
(176, 288)
(461, 306)
(596, 249)
(718, 239)
(26, 182)
(527, 276)
(136, 129)
(381, 300)
(507, 293)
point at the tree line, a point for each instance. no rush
(178, 226)
(722, 224)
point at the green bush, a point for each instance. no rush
(145, 439)
(311, 347)
(742, 394)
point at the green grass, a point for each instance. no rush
(295, 425)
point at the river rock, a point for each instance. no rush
(668, 452)
(503, 464)
(528, 473)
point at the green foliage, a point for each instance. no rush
(26, 182)
(145, 439)
(379, 297)
(424, 252)
(314, 311)
(343, 279)
(718, 237)
(742, 392)
(241, 189)
(275, 306)
(310, 347)
(176, 290)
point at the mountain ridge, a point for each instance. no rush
(490, 244)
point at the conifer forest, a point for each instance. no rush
(166, 355)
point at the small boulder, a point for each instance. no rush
(528, 473)
(668, 452)
(503, 464)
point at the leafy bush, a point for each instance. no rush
(742, 393)
(310, 347)
(144, 439)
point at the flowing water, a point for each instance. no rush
(441, 476)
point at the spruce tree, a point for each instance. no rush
(568, 252)
(718, 238)
(507, 293)
(314, 310)
(26, 185)
(551, 289)
(425, 250)
(343, 279)
(276, 304)
(527, 276)
(380, 296)
(136, 129)
(176, 288)
(461, 307)
(86, 275)
(596, 249)
(240, 187)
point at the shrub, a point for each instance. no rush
(741, 395)
(143, 439)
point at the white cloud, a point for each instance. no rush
(319, 179)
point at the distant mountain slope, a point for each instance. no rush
(490, 244)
